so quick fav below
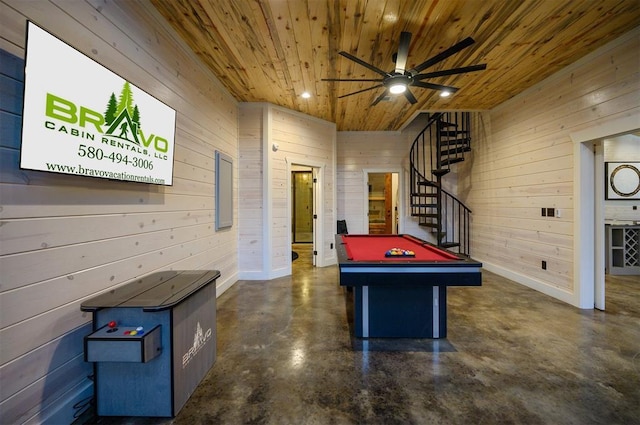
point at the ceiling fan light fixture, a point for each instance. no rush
(398, 88)
(306, 95)
(445, 93)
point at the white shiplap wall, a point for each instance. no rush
(250, 190)
(362, 152)
(284, 138)
(65, 238)
(523, 161)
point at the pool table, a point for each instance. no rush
(403, 296)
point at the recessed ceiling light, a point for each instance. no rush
(445, 93)
(306, 95)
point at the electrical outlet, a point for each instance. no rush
(544, 265)
(558, 212)
(551, 212)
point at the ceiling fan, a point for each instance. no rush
(399, 80)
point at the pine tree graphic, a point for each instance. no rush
(136, 116)
(126, 100)
(123, 117)
(110, 113)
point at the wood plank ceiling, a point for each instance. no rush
(274, 50)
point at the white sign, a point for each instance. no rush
(81, 118)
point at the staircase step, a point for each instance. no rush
(441, 171)
(425, 215)
(453, 133)
(454, 151)
(451, 161)
(444, 124)
(430, 195)
(428, 183)
(449, 244)
(432, 225)
(424, 205)
(454, 142)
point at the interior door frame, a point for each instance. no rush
(315, 182)
(588, 226)
(294, 202)
(400, 198)
(318, 170)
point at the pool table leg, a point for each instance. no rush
(436, 312)
(418, 313)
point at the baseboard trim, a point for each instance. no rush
(557, 293)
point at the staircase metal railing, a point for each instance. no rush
(443, 142)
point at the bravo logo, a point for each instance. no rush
(121, 121)
(200, 338)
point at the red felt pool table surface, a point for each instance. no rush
(374, 247)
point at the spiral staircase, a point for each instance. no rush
(442, 143)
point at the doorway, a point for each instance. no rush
(589, 221)
(305, 218)
(382, 212)
(302, 205)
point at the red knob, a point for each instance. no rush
(112, 324)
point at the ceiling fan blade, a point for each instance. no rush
(410, 97)
(443, 55)
(363, 63)
(379, 80)
(403, 52)
(432, 86)
(360, 91)
(379, 98)
(453, 71)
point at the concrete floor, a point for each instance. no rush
(512, 356)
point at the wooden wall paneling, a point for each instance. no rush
(41, 330)
(37, 299)
(519, 175)
(366, 150)
(559, 273)
(549, 225)
(188, 171)
(12, 38)
(528, 145)
(250, 190)
(11, 94)
(551, 245)
(20, 373)
(300, 138)
(42, 233)
(491, 232)
(10, 129)
(11, 87)
(27, 201)
(19, 268)
(29, 401)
